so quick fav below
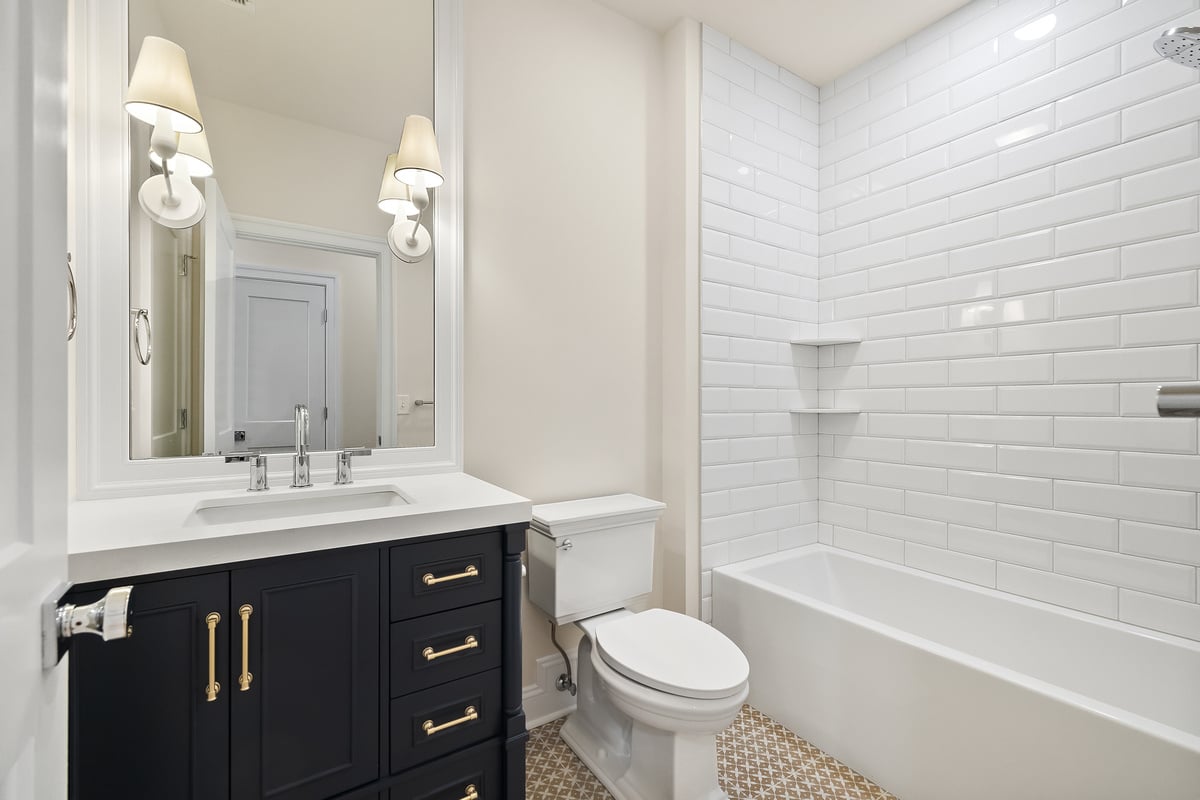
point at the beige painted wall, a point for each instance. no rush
(292, 171)
(565, 217)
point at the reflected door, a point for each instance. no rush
(279, 361)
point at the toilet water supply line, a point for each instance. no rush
(563, 683)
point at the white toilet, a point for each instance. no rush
(655, 687)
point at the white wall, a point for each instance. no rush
(759, 140)
(563, 332)
(1013, 226)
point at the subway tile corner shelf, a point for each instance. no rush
(825, 411)
(828, 340)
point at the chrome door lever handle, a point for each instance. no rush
(107, 618)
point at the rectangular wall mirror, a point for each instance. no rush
(285, 292)
(199, 336)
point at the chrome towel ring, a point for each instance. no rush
(141, 319)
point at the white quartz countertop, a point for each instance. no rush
(124, 537)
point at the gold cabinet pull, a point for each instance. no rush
(470, 643)
(470, 572)
(245, 678)
(213, 688)
(469, 715)
(471, 793)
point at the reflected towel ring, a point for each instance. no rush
(141, 318)
(73, 319)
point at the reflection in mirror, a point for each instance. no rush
(286, 291)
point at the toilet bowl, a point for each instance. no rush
(654, 687)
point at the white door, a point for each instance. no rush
(33, 386)
(280, 360)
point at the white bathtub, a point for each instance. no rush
(939, 689)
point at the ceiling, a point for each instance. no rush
(279, 56)
(819, 40)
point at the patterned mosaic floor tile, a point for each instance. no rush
(757, 759)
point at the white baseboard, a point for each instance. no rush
(542, 702)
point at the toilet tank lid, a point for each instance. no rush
(572, 516)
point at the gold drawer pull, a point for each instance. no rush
(469, 715)
(471, 793)
(470, 572)
(245, 678)
(213, 688)
(470, 643)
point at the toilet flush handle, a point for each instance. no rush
(566, 545)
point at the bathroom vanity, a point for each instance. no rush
(358, 637)
(386, 668)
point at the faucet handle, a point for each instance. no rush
(344, 475)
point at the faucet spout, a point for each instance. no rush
(301, 429)
(300, 471)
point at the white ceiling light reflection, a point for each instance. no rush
(1036, 29)
(991, 313)
(1021, 134)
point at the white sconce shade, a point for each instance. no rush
(418, 162)
(162, 81)
(395, 198)
(193, 148)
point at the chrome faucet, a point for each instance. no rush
(344, 476)
(300, 476)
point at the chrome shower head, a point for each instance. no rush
(1181, 45)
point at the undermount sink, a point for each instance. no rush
(294, 503)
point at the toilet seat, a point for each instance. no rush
(674, 654)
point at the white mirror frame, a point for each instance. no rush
(99, 211)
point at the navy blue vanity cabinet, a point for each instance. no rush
(141, 723)
(380, 672)
(456, 727)
(304, 692)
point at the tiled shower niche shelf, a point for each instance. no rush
(820, 341)
(825, 411)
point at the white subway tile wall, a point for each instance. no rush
(1014, 223)
(759, 140)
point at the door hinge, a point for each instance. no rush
(183, 418)
(324, 316)
(326, 412)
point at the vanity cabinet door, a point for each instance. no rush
(305, 725)
(141, 721)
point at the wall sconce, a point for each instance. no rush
(418, 166)
(161, 94)
(193, 155)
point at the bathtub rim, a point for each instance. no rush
(742, 571)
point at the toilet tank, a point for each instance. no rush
(590, 556)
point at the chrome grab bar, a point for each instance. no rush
(74, 296)
(1180, 400)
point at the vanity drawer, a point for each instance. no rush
(429, 724)
(443, 574)
(443, 647)
(452, 777)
